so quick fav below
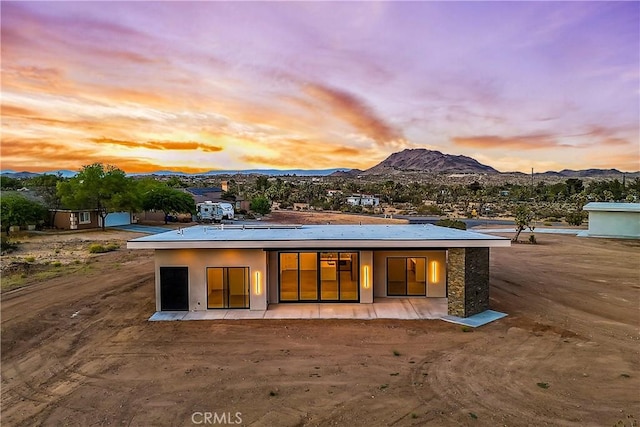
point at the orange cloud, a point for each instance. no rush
(320, 155)
(38, 155)
(525, 142)
(160, 145)
(354, 111)
(627, 162)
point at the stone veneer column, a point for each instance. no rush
(455, 282)
(468, 281)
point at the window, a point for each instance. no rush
(319, 276)
(228, 287)
(406, 276)
(85, 217)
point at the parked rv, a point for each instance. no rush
(208, 212)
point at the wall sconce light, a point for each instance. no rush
(367, 279)
(258, 283)
(434, 272)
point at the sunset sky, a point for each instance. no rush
(196, 86)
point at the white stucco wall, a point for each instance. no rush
(199, 259)
(435, 288)
(614, 224)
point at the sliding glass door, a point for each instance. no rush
(228, 287)
(406, 276)
(319, 276)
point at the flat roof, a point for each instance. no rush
(278, 236)
(612, 207)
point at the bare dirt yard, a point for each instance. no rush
(77, 349)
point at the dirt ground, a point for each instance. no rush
(77, 349)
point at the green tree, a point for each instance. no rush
(18, 210)
(260, 205)
(575, 218)
(523, 218)
(8, 183)
(104, 188)
(45, 186)
(168, 200)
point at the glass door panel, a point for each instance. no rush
(308, 276)
(396, 276)
(289, 277)
(416, 276)
(215, 288)
(329, 276)
(348, 268)
(238, 287)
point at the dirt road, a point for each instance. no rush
(78, 350)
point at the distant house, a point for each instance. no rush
(81, 219)
(616, 220)
(363, 200)
(200, 195)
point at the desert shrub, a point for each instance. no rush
(56, 263)
(532, 239)
(7, 245)
(575, 218)
(430, 210)
(451, 223)
(30, 259)
(97, 248)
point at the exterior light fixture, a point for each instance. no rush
(367, 281)
(434, 272)
(258, 283)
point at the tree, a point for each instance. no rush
(523, 218)
(45, 186)
(168, 200)
(8, 183)
(260, 205)
(18, 210)
(104, 188)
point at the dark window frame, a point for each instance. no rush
(225, 287)
(406, 276)
(319, 276)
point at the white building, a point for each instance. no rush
(363, 200)
(617, 220)
(249, 267)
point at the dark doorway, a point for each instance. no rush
(174, 288)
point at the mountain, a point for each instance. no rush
(428, 161)
(18, 175)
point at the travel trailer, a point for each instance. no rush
(209, 211)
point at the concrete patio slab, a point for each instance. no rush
(292, 311)
(244, 314)
(347, 311)
(382, 308)
(206, 315)
(392, 308)
(430, 308)
(165, 316)
(477, 319)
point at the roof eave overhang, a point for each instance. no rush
(319, 244)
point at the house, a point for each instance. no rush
(363, 200)
(617, 220)
(204, 194)
(81, 219)
(252, 266)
